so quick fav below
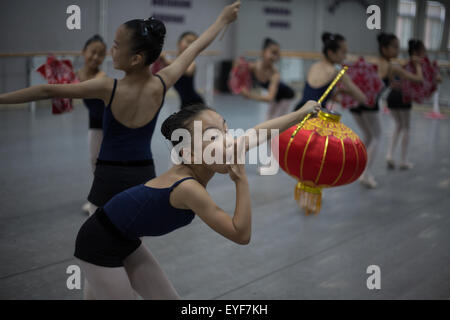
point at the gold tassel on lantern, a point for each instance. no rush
(308, 198)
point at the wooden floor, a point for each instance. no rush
(403, 227)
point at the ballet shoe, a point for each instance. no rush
(406, 166)
(259, 171)
(390, 164)
(369, 183)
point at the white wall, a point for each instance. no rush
(197, 18)
(30, 25)
(309, 19)
(36, 25)
(41, 26)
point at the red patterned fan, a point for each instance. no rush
(59, 72)
(420, 91)
(365, 76)
(157, 66)
(240, 77)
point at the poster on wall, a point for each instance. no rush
(278, 16)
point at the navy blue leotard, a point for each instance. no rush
(125, 158)
(121, 143)
(310, 93)
(113, 233)
(144, 211)
(96, 108)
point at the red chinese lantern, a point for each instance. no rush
(320, 153)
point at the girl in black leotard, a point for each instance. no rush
(266, 75)
(94, 53)
(133, 101)
(321, 73)
(401, 112)
(368, 118)
(108, 245)
(185, 85)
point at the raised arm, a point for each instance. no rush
(167, 62)
(236, 228)
(98, 88)
(178, 67)
(191, 70)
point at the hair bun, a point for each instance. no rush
(381, 36)
(326, 36)
(156, 28)
(97, 37)
(167, 128)
(268, 42)
(180, 120)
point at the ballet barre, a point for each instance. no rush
(79, 53)
(30, 67)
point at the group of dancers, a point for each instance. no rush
(127, 201)
(321, 74)
(366, 117)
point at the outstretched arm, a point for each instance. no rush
(236, 228)
(270, 96)
(404, 74)
(353, 90)
(178, 67)
(98, 88)
(281, 124)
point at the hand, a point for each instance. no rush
(415, 60)
(337, 98)
(245, 93)
(229, 13)
(310, 107)
(237, 172)
(164, 59)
